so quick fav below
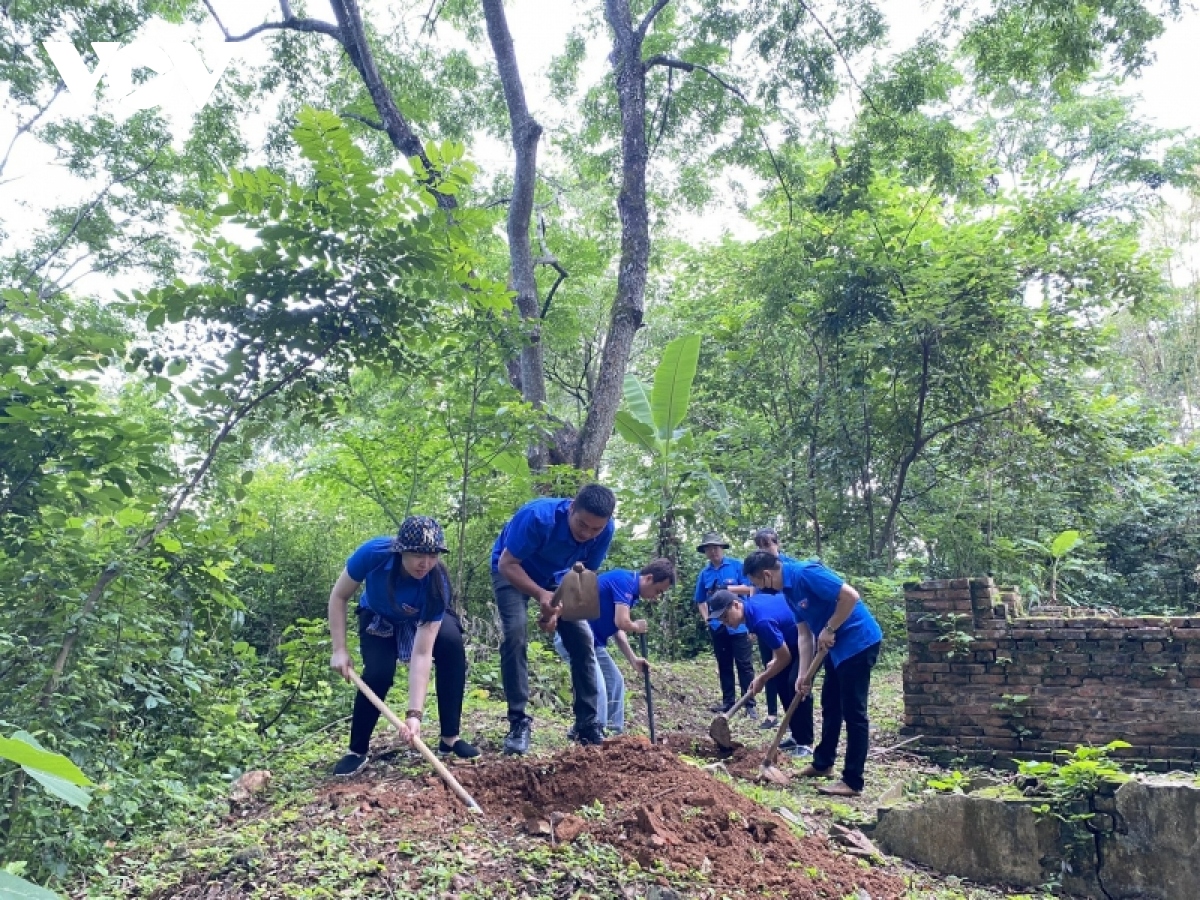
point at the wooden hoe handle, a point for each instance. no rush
(438, 765)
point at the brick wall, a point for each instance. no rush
(982, 682)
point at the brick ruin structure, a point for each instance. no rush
(986, 682)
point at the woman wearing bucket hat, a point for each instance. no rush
(403, 615)
(731, 646)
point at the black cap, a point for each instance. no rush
(718, 603)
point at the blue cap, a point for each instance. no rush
(718, 603)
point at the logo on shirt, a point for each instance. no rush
(408, 610)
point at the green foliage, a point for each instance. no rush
(952, 782)
(955, 630)
(1083, 772)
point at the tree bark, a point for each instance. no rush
(629, 73)
(350, 33)
(526, 132)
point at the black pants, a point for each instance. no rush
(801, 724)
(514, 659)
(770, 690)
(731, 650)
(379, 672)
(844, 698)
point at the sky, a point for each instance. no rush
(33, 183)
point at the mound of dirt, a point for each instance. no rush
(653, 807)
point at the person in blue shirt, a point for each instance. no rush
(404, 615)
(770, 619)
(768, 539)
(534, 550)
(620, 591)
(731, 646)
(827, 607)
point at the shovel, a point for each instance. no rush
(719, 729)
(438, 766)
(768, 771)
(577, 597)
(649, 693)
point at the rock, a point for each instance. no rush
(658, 892)
(704, 800)
(855, 842)
(762, 829)
(893, 794)
(569, 828)
(1153, 855)
(649, 821)
(251, 783)
(537, 827)
(981, 839)
(979, 782)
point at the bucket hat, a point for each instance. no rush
(712, 539)
(420, 534)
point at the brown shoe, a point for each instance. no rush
(811, 771)
(841, 789)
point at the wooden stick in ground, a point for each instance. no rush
(438, 766)
(813, 668)
(883, 751)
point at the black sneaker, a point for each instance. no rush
(350, 764)
(751, 713)
(461, 749)
(592, 735)
(719, 707)
(516, 742)
(768, 723)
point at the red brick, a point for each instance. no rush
(952, 678)
(933, 667)
(988, 679)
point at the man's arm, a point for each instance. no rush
(781, 658)
(514, 573)
(741, 590)
(339, 598)
(804, 644)
(638, 664)
(624, 623)
(847, 600)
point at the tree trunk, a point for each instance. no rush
(354, 39)
(629, 72)
(919, 439)
(526, 132)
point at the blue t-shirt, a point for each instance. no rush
(811, 590)
(617, 586)
(539, 536)
(716, 579)
(770, 619)
(372, 565)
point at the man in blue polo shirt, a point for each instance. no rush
(770, 619)
(731, 646)
(827, 607)
(535, 548)
(620, 591)
(768, 539)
